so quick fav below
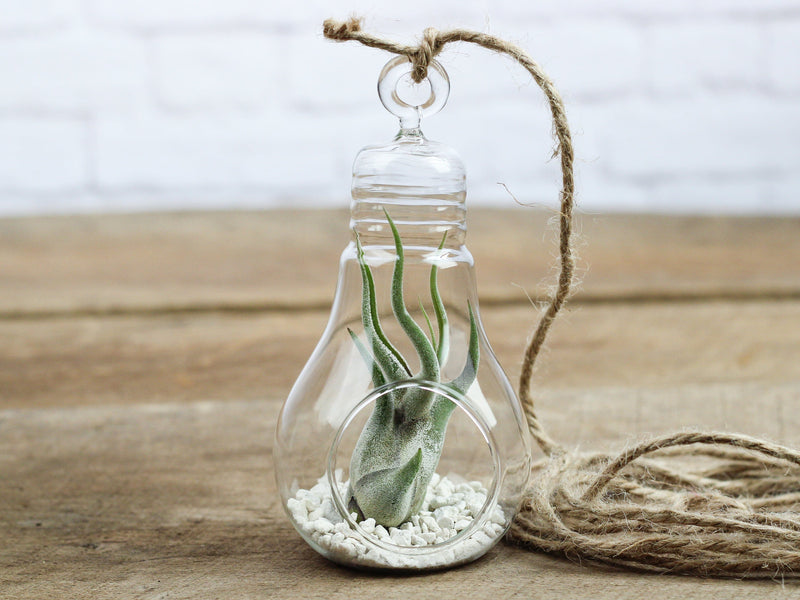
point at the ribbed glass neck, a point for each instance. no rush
(420, 184)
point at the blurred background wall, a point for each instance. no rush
(122, 105)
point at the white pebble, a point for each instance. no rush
(462, 524)
(430, 523)
(475, 505)
(445, 511)
(297, 508)
(430, 537)
(482, 538)
(349, 549)
(498, 517)
(368, 526)
(445, 523)
(448, 509)
(401, 537)
(341, 527)
(323, 525)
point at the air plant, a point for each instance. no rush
(401, 443)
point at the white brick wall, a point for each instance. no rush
(684, 58)
(783, 69)
(684, 106)
(41, 155)
(222, 71)
(39, 15)
(79, 71)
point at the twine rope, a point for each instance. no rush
(700, 503)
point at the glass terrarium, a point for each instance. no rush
(402, 444)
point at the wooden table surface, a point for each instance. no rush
(144, 360)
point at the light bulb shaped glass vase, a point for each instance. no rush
(402, 444)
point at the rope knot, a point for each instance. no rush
(430, 45)
(341, 30)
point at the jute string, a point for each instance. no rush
(701, 503)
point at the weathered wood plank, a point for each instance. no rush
(135, 449)
(178, 501)
(288, 258)
(218, 356)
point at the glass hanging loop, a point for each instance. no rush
(395, 83)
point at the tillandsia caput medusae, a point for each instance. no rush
(401, 443)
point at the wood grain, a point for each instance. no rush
(145, 358)
(253, 261)
(178, 501)
(220, 356)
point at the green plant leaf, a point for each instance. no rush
(467, 376)
(429, 364)
(443, 347)
(377, 375)
(428, 321)
(386, 355)
(384, 405)
(443, 408)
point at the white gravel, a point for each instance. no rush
(448, 509)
